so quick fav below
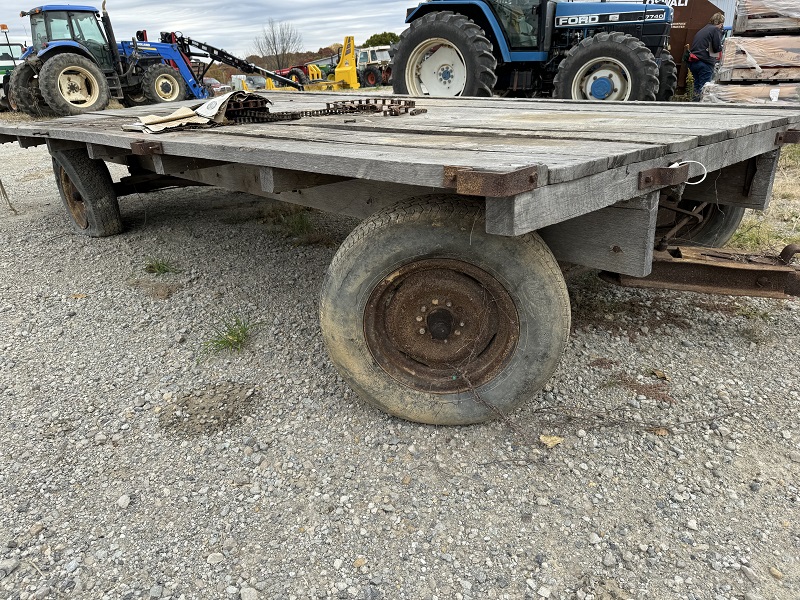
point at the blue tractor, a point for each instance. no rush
(75, 65)
(557, 48)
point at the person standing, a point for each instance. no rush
(706, 46)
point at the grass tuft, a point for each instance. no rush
(230, 336)
(159, 266)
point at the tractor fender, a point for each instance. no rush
(478, 12)
(54, 48)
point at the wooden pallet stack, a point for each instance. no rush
(761, 60)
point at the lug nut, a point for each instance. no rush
(422, 331)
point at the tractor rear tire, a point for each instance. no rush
(162, 83)
(667, 78)
(607, 67)
(443, 54)
(72, 84)
(371, 76)
(298, 76)
(87, 192)
(445, 325)
(24, 94)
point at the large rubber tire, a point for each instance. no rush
(455, 53)
(719, 224)
(430, 319)
(162, 83)
(607, 66)
(87, 192)
(298, 76)
(371, 76)
(24, 92)
(667, 78)
(72, 84)
(137, 99)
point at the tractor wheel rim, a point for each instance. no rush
(436, 68)
(74, 200)
(78, 86)
(602, 79)
(167, 88)
(441, 326)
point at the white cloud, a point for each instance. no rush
(234, 26)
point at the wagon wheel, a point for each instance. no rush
(712, 227)
(433, 320)
(87, 192)
(443, 54)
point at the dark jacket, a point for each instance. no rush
(708, 41)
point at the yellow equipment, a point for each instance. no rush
(345, 78)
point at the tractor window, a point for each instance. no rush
(38, 31)
(86, 28)
(520, 21)
(57, 26)
(373, 56)
(362, 58)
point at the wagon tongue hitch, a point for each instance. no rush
(714, 271)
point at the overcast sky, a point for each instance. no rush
(234, 25)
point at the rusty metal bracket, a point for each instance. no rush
(714, 271)
(791, 136)
(663, 176)
(472, 182)
(146, 148)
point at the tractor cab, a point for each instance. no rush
(65, 25)
(521, 20)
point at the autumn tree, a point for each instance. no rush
(277, 42)
(386, 38)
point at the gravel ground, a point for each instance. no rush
(135, 465)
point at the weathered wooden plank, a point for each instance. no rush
(747, 184)
(100, 152)
(555, 203)
(282, 180)
(776, 74)
(618, 238)
(172, 165)
(349, 197)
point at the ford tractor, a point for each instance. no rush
(75, 65)
(558, 48)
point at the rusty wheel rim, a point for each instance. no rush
(73, 199)
(441, 325)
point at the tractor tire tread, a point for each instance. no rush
(476, 37)
(49, 88)
(648, 87)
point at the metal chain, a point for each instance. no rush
(257, 111)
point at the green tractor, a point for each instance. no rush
(9, 58)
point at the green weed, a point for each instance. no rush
(159, 266)
(231, 335)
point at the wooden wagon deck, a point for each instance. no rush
(538, 163)
(427, 312)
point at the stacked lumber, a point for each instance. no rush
(760, 93)
(759, 59)
(761, 17)
(760, 63)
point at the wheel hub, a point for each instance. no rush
(73, 200)
(601, 88)
(441, 325)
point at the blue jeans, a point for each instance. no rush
(703, 73)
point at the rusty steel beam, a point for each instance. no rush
(714, 271)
